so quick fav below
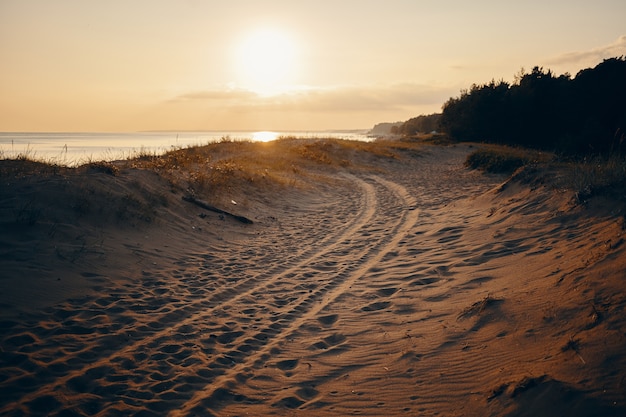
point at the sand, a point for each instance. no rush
(415, 287)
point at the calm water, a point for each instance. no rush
(77, 148)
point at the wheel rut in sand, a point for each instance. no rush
(171, 347)
(368, 246)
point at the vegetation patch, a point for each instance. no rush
(574, 116)
(218, 168)
(503, 160)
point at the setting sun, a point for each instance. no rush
(265, 61)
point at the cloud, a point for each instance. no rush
(377, 98)
(330, 99)
(303, 108)
(592, 56)
(215, 95)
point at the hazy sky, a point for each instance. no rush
(127, 65)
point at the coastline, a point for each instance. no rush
(76, 148)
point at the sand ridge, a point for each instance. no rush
(418, 288)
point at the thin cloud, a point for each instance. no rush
(595, 55)
(336, 99)
(380, 98)
(216, 95)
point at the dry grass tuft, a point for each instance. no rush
(27, 168)
(103, 167)
(594, 176)
(499, 159)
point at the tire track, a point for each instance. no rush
(201, 310)
(344, 277)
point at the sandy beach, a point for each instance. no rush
(366, 283)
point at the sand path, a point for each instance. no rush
(363, 301)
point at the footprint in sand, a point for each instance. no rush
(386, 292)
(287, 365)
(381, 305)
(328, 320)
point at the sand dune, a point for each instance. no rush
(412, 287)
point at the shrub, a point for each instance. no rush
(503, 160)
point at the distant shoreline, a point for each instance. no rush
(74, 148)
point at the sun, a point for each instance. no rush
(266, 61)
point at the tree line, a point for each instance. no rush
(584, 114)
(416, 125)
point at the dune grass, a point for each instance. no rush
(586, 177)
(500, 159)
(597, 175)
(216, 172)
(218, 167)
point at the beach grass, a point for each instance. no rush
(591, 175)
(504, 159)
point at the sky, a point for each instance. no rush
(135, 65)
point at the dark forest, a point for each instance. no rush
(585, 114)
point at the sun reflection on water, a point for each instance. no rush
(264, 136)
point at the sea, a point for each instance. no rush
(76, 148)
